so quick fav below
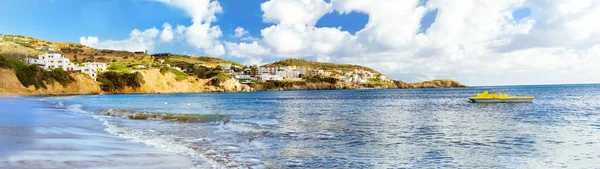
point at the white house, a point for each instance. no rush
(47, 48)
(267, 76)
(243, 77)
(55, 60)
(225, 66)
(361, 81)
(52, 60)
(92, 68)
(268, 70)
(382, 78)
(178, 69)
(317, 72)
(301, 71)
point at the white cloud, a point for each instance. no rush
(198, 10)
(201, 34)
(167, 35)
(243, 35)
(469, 40)
(306, 12)
(240, 32)
(138, 41)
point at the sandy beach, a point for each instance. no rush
(36, 134)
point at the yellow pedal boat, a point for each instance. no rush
(487, 97)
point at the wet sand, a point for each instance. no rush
(34, 134)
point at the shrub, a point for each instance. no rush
(318, 79)
(34, 75)
(114, 81)
(220, 78)
(59, 75)
(179, 76)
(376, 80)
(120, 68)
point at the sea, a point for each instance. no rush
(379, 128)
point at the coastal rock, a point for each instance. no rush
(156, 82)
(446, 83)
(11, 86)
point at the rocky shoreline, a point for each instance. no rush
(157, 83)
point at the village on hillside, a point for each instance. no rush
(295, 73)
(247, 74)
(54, 60)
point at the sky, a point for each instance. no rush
(495, 42)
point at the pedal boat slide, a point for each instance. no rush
(487, 97)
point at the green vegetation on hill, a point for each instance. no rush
(219, 79)
(19, 46)
(199, 60)
(115, 81)
(319, 79)
(21, 40)
(34, 75)
(320, 65)
(179, 76)
(119, 68)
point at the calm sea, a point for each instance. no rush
(412, 128)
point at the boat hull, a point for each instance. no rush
(508, 100)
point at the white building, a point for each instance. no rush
(267, 76)
(47, 48)
(225, 66)
(92, 68)
(178, 69)
(243, 77)
(52, 60)
(288, 74)
(268, 70)
(55, 60)
(361, 81)
(301, 71)
(317, 72)
(382, 78)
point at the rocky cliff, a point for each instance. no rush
(156, 82)
(11, 86)
(325, 86)
(447, 83)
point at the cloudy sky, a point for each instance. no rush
(491, 42)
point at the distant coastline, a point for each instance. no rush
(35, 67)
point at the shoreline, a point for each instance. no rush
(12, 95)
(41, 134)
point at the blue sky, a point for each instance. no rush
(68, 20)
(475, 42)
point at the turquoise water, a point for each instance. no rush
(414, 128)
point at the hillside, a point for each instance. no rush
(193, 73)
(320, 65)
(17, 47)
(205, 60)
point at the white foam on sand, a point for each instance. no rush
(66, 140)
(76, 108)
(201, 157)
(165, 143)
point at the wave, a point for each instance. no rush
(209, 158)
(203, 157)
(185, 118)
(76, 108)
